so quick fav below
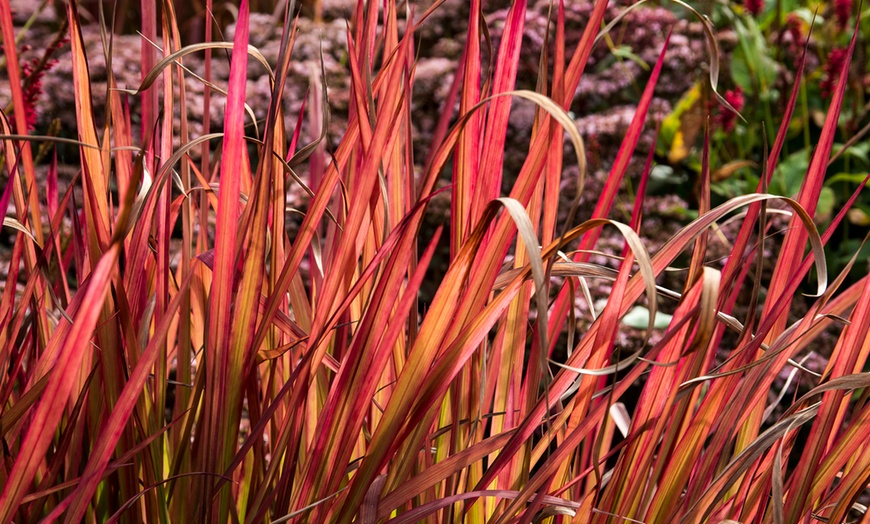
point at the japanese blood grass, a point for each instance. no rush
(362, 407)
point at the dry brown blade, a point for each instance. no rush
(740, 464)
(606, 370)
(527, 231)
(155, 73)
(164, 172)
(572, 317)
(815, 241)
(785, 339)
(587, 295)
(644, 265)
(777, 484)
(846, 382)
(15, 224)
(711, 41)
(784, 389)
(306, 150)
(583, 270)
(812, 231)
(562, 117)
(771, 351)
(708, 314)
(15, 412)
(552, 511)
(304, 186)
(560, 269)
(306, 509)
(57, 139)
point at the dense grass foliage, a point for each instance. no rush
(174, 355)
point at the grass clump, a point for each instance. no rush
(174, 355)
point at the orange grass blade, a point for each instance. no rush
(72, 348)
(492, 149)
(849, 356)
(14, 72)
(795, 240)
(662, 259)
(353, 394)
(111, 433)
(219, 356)
(466, 167)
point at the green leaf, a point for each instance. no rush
(859, 151)
(671, 124)
(827, 199)
(752, 66)
(638, 318)
(625, 52)
(852, 178)
(790, 173)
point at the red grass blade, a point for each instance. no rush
(72, 342)
(111, 433)
(219, 357)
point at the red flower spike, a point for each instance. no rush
(842, 12)
(832, 71)
(754, 7)
(726, 118)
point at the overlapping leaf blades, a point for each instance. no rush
(357, 409)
